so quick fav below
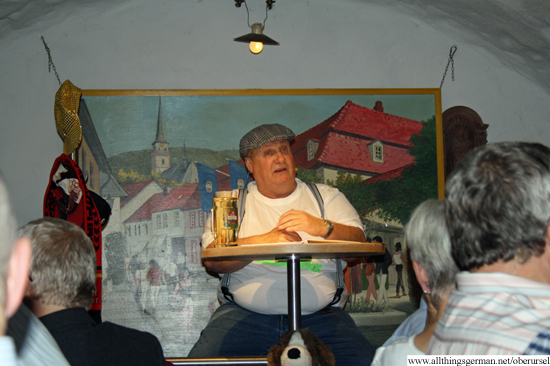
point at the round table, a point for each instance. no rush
(293, 253)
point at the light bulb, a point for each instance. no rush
(256, 47)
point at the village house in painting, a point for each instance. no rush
(356, 140)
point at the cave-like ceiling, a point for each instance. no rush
(515, 31)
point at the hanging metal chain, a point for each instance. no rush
(452, 63)
(269, 5)
(50, 61)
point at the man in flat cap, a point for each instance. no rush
(281, 208)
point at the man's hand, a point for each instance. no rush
(276, 235)
(294, 220)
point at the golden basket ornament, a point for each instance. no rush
(67, 102)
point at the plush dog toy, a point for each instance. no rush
(300, 348)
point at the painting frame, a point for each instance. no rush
(93, 156)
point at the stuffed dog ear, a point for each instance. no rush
(320, 352)
(274, 355)
(326, 358)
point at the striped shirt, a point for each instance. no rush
(492, 314)
(8, 355)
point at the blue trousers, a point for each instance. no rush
(235, 331)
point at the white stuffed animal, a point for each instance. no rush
(300, 348)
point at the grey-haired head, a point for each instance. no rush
(499, 204)
(261, 135)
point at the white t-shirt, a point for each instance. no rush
(397, 258)
(261, 286)
(396, 353)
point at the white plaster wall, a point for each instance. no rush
(176, 44)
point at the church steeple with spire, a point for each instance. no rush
(160, 155)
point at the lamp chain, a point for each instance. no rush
(269, 5)
(50, 61)
(452, 63)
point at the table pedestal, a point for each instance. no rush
(294, 293)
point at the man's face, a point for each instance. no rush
(273, 168)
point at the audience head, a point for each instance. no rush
(377, 239)
(63, 265)
(430, 247)
(14, 261)
(499, 204)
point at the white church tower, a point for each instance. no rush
(160, 155)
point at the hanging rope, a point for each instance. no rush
(452, 63)
(50, 61)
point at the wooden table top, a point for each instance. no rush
(318, 250)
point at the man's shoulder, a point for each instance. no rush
(396, 353)
(485, 313)
(120, 336)
(326, 191)
(112, 328)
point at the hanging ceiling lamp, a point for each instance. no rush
(256, 38)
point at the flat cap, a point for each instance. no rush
(263, 134)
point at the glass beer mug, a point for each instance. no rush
(224, 219)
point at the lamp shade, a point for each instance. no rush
(256, 36)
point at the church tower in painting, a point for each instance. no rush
(160, 155)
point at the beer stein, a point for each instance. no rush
(224, 219)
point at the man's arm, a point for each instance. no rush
(337, 209)
(294, 220)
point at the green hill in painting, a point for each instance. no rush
(140, 161)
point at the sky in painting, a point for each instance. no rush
(129, 123)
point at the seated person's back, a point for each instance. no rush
(34, 343)
(63, 270)
(498, 213)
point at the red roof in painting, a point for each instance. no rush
(185, 198)
(133, 190)
(144, 212)
(352, 153)
(344, 139)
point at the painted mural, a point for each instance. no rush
(145, 155)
